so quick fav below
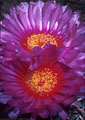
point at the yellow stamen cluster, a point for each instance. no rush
(42, 81)
(40, 40)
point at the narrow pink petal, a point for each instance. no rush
(59, 98)
(37, 13)
(28, 108)
(63, 115)
(54, 16)
(64, 19)
(8, 37)
(69, 91)
(30, 15)
(22, 10)
(44, 114)
(70, 100)
(11, 22)
(38, 104)
(47, 9)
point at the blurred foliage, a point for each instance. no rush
(77, 110)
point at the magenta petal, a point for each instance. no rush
(21, 94)
(48, 102)
(28, 108)
(37, 18)
(53, 109)
(70, 100)
(72, 32)
(15, 103)
(37, 13)
(54, 16)
(38, 104)
(5, 36)
(81, 29)
(48, 7)
(13, 14)
(23, 16)
(37, 50)
(81, 93)
(7, 78)
(69, 91)
(51, 53)
(14, 113)
(11, 22)
(44, 114)
(30, 14)
(80, 39)
(4, 98)
(72, 25)
(7, 70)
(11, 28)
(59, 98)
(27, 99)
(63, 115)
(12, 87)
(64, 19)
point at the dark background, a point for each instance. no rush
(5, 7)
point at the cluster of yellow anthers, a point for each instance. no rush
(42, 81)
(40, 40)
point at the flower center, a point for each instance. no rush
(40, 40)
(42, 82)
